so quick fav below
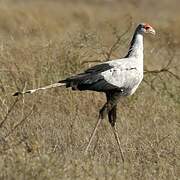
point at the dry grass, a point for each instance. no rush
(43, 136)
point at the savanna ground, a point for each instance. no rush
(43, 136)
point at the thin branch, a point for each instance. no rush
(9, 111)
(117, 42)
(21, 122)
(115, 45)
(166, 68)
(174, 75)
(150, 85)
(155, 72)
(166, 88)
(2, 87)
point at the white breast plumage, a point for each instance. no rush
(124, 74)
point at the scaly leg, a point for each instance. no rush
(93, 134)
(118, 141)
(112, 120)
(102, 114)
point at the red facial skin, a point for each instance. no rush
(147, 26)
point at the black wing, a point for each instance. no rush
(91, 79)
(99, 68)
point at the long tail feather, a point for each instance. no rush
(41, 88)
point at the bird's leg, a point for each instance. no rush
(118, 142)
(102, 114)
(112, 115)
(93, 134)
(112, 120)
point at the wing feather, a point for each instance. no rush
(120, 75)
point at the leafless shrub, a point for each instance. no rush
(43, 136)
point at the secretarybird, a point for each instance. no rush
(116, 78)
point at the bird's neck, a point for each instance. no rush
(136, 46)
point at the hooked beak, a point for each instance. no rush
(152, 31)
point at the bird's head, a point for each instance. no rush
(145, 28)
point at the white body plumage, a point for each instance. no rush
(127, 73)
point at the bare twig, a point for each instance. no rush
(164, 69)
(117, 42)
(174, 75)
(21, 122)
(156, 72)
(166, 88)
(114, 47)
(149, 84)
(2, 87)
(9, 111)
